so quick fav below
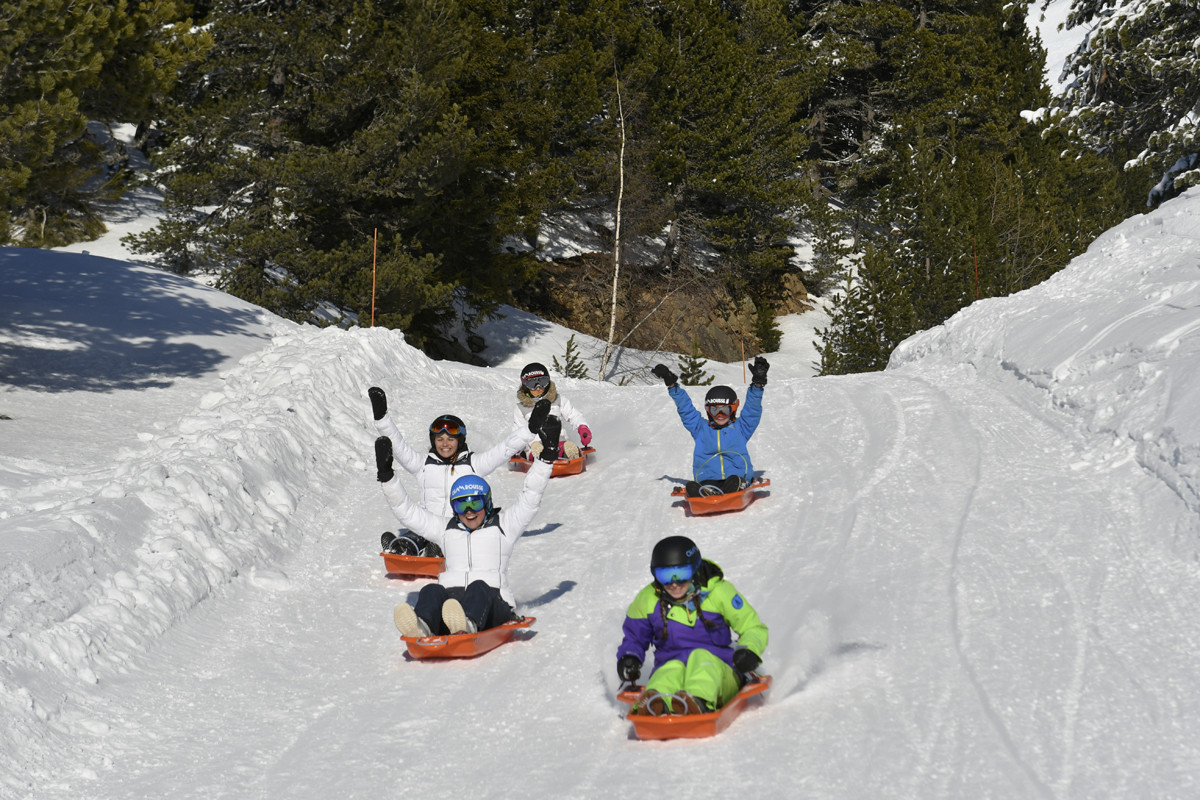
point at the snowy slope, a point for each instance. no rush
(979, 567)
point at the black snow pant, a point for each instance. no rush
(481, 603)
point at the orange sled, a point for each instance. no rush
(693, 726)
(562, 466)
(716, 503)
(413, 566)
(464, 645)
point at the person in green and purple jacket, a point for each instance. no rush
(688, 614)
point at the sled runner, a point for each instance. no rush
(413, 566)
(716, 503)
(562, 466)
(464, 645)
(693, 726)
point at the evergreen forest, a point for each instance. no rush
(397, 159)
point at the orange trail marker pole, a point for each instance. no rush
(374, 251)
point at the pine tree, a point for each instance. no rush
(691, 367)
(967, 200)
(312, 128)
(1134, 89)
(872, 314)
(63, 65)
(572, 366)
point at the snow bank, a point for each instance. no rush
(86, 586)
(1135, 377)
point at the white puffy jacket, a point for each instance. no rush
(481, 554)
(435, 475)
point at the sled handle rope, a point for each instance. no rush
(722, 454)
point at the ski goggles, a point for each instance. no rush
(462, 505)
(537, 383)
(725, 409)
(678, 574)
(446, 426)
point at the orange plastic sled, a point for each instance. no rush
(413, 566)
(562, 466)
(716, 503)
(693, 726)
(464, 645)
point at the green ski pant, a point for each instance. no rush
(704, 676)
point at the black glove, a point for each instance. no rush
(383, 460)
(758, 369)
(549, 432)
(378, 402)
(629, 668)
(668, 377)
(541, 410)
(745, 660)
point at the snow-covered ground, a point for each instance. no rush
(979, 568)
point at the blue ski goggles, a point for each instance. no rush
(680, 574)
(462, 505)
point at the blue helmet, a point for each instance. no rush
(471, 486)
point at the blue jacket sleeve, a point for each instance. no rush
(691, 418)
(752, 412)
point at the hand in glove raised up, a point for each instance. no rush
(378, 402)
(758, 369)
(668, 377)
(537, 417)
(629, 668)
(549, 434)
(585, 435)
(383, 460)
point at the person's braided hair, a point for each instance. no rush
(707, 571)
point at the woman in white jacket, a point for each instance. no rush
(472, 593)
(447, 459)
(537, 386)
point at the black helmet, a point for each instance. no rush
(448, 423)
(534, 370)
(535, 379)
(721, 396)
(675, 551)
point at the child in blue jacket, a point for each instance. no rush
(688, 614)
(721, 459)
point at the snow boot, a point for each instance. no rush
(456, 619)
(692, 488)
(406, 544)
(568, 450)
(385, 541)
(693, 704)
(653, 703)
(408, 623)
(732, 484)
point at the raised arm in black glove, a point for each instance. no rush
(758, 371)
(745, 660)
(668, 377)
(628, 668)
(537, 417)
(378, 402)
(383, 460)
(549, 432)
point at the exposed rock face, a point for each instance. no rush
(676, 314)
